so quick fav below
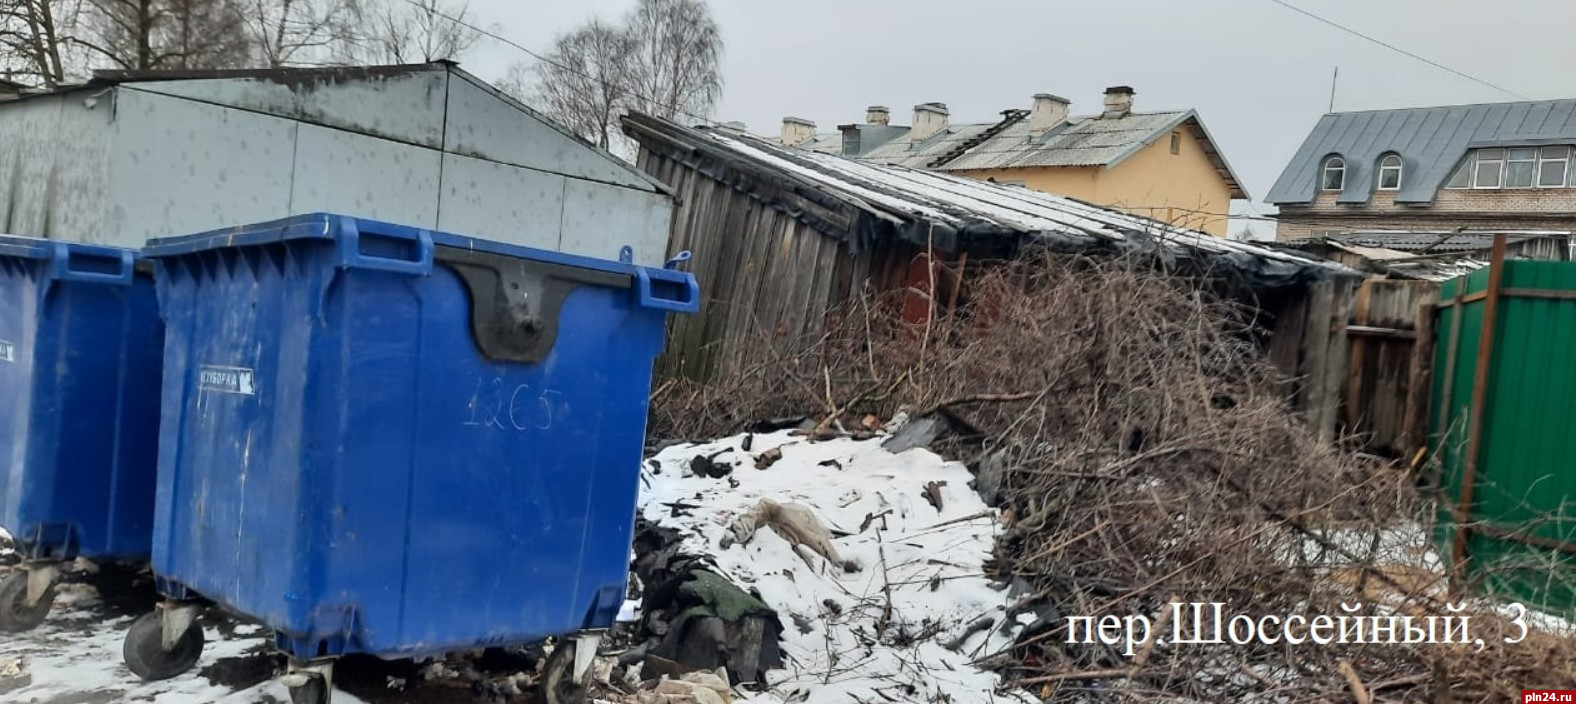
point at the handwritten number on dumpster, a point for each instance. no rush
(495, 404)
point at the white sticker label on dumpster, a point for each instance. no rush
(7, 351)
(228, 380)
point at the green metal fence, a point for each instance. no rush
(1503, 422)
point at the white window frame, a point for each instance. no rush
(1565, 171)
(1391, 162)
(1477, 165)
(1332, 163)
(1467, 165)
(1510, 158)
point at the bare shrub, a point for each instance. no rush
(1143, 452)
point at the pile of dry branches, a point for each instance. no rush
(1145, 454)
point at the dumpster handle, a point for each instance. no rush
(667, 289)
(95, 265)
(385, 249)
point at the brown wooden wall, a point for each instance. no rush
(1382, 330)
(1351, 351)
(761, 272)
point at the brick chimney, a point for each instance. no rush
(797, 131)
(929, 119)
(1118, 101)
(1049, 111)
(878, 115)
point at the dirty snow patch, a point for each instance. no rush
(74, 658)
(835, 647)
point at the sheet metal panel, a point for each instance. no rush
(388, 180)
(406, 107)
(54, 167)
(181, 166)
(484, 124)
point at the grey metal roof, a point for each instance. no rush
(1431, 142)
(1081, 141)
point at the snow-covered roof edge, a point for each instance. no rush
(950, 211)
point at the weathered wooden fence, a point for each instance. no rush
(1352, 351)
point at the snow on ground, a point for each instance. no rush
(933, 564)
(74, 658)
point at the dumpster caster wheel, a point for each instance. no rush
(314, 691)
(558, 676)
(146, 655)
(16, 613)
(310, 682)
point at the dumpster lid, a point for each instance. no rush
(25, 247)
(329, 226)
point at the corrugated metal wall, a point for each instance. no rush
(1522, 541)
(764, 275)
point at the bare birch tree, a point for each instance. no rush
(584, 81)
(167, 34)
(677, 68)
(36, 40)
(303, 32)
(415, 31)
(663, 60)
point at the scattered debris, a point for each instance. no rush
(785, 423)
(13, 675)
(979, 625)
(768, 458)
(708, 466)
(917, 432)
(933, 494)
(694, 618)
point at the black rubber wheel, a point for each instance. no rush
(145, 654)
(15, 615)
(315, 691)
(558, 676)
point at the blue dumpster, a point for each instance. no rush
(386, 440)
(80, 353)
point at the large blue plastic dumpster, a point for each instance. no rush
(81, 345)
(386, 440)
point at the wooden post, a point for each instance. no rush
(1336, 356)
(1419, 382)
(1355, 406)
(1486, 340)
(957, 287)
(1316, 346)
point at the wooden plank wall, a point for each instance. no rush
(1350, 351)
(1383, 331)
(763, 275)
(1308, 342)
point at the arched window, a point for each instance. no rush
(1390, 173)
(1334, 174)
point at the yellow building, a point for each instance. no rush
(1162, 165)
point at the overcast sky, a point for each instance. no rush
(1259, 74)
